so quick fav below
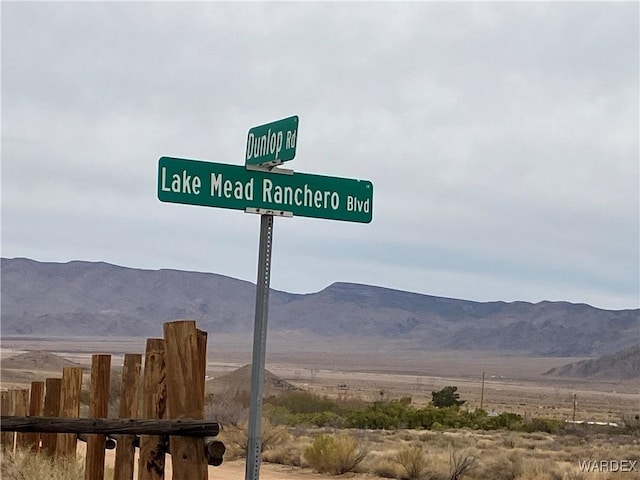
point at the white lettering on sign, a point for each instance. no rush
(229, 189)
(181, 183)
(355, 205)
(268, 144)
(299, 196)
(291, 139)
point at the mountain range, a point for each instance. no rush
(624, 364)
(81, 298)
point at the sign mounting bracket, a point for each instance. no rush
(271, 169)
(267, 211)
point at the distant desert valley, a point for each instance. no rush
(520, 384)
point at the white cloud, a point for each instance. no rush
(502, 139)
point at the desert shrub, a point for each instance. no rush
(506, 420)
(321, 419)
(334, 454)
(413, 460)
(386, 469)
(509, 441)
(539, 470)
(380, 415)
(631, 424)
(395, 414)
(305, 408)
(281, 416)
(283, 455)
(235, 437)
(24, 465)
(503, 467)
(228, 408)
(447, 397)
(547, 425)
(303, 402)
(459, 464)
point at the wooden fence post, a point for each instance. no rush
(6, 438)
(125, 449)
(69, 407)
(51, 408)
(20, 400)
(183, 364)
(154, 392)
(35, 410)
(98, 408)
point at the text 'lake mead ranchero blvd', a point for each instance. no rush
(232, 186)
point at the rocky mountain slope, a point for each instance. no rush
(624, 364)
(99, 299)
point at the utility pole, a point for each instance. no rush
(574, 406)
(482, 393)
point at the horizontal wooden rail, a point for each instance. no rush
(184, 428)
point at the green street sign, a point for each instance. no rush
(194, 182)
(272, 143)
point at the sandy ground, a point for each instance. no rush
(235, 470)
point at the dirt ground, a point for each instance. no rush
(235, 470)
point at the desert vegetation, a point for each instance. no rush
(408, 454)
(314, 435)
(393, 439)
(24, 465)
(453, 453)
(302, 408)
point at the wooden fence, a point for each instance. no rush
(168, 420)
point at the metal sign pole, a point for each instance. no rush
(254, 441)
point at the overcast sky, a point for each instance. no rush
(501, 140)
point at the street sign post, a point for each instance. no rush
(260, 188)
(194, 182)
(272, 143)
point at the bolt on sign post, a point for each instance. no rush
(259, 187)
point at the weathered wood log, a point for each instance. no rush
(214, 451)
(36, 402)
(20, 401)
(6, 438)
(98, 408)
(69, 408)
(129, 389)
(53, 389)
(154, 403)
(185, 396)
(110, 426)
